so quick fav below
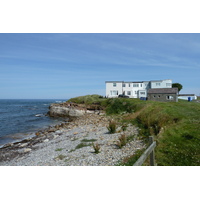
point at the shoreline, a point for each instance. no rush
(57, 145)
(20, 136)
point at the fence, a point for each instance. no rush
(148, 151)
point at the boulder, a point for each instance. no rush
(56, 110)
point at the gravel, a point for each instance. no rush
(60, 147)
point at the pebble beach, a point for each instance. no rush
(71, 144)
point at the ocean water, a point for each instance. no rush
(21, 118)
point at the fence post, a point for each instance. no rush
(152, 154)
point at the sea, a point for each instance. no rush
(21, 118)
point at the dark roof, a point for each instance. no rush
(125, 81)
(114, 81)
(163, 91)
(186, 95)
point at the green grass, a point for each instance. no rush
(60, 149)
(175, 125)
(88, 140)
(88, 99)
(130, 160)
(82, 144)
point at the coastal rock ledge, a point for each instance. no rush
(70, 110)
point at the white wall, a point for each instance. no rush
(162, 84)
(110, 88)
(134, 89)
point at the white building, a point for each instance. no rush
(135, 89)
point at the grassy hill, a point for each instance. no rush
(175, 126)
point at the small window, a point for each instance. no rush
(114, 92)
(141, 85)
(168, 84)
(169, 97)
(142, 93)
(128, 92)
(157, 84)
(135, 85)
(154, 96)
(114, 84)
(129, 85)
(124, 85)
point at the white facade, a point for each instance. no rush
(134, 89)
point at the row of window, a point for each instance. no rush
(140, 84)
(167, 97)
(115, 92)
(129, 85)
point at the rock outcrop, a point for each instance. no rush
(58, 110)
(72, 110)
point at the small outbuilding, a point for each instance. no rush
(163, 94)
(187, 96)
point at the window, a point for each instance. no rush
(128, 92)
(113, 92)
(135, 85)
(142, 93)
(141, 85)
(157, 84)
(154, 96)
(135, 92)
(129, 85)
(168, 84)
(114, 84)
(169, 97)
(124, 85)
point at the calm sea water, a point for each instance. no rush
(21, 118)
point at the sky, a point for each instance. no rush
(65, 65)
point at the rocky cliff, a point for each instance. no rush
(72, 110)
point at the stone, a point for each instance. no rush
(55, 136)
(27, 150)
(23, 145)
(75, 133)
(58, 131)
(46, 140)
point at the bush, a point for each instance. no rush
(117, 106)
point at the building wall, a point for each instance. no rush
(111, 87)
(163, 97)
(161, 84)
(134, 89)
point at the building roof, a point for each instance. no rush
(163, 91)
(125, 81)
(186, 95)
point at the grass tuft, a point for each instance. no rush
(112, 127)
(96, 148)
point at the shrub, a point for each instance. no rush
(117, 106)
(112, 127)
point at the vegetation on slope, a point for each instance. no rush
(175, 125)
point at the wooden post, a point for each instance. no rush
(144, 156)
(152, 154)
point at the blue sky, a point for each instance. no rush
(49, 65)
